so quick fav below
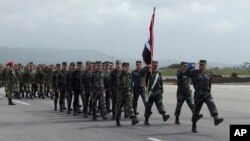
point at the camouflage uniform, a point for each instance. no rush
(138, 87)
(62, 84)
(40, 81)
(202, 85)
(20, 86)
(156, 94)
(184, 92)
(69, 88)
(10, 82)
(98, 93)
(48, 81)
(124, 96)
(27, 82)
(77, 86)
(55, 87)
(107, 86)
(114, 77)
(87, 81)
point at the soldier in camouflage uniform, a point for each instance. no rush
(201, 79)
(62, 84)
(55, 80)
(1, 75)
(87, 81)
(114, 76)
(98, 91)
(10, 81)
(48, 80)
(107, 85)
(69, 84)
(33, 80)
(40, 81)
(19, 84)
(27, 81)
(77, 86)
(155, 94)
(111, 66)
(124, 95)
(4, 73)
(138, 86)
(184, 92)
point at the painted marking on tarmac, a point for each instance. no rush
(17, 101)
(154, 139)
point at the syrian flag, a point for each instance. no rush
(147, 53)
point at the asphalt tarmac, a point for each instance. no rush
(35, 120)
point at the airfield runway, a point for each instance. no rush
(35, 120)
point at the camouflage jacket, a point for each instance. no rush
(107, 80)
(40, 77)
(88, 80)
(125, 82)
(183, 82)
(98, 81)
(138, 79)
(201, 81)
(62, 80)
(114, 79)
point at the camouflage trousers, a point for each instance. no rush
(101, 96)
(181, 98)
(48, 88)
(27, 87)
(136, 93)
(124, 98)
(199, 99)
(10, 89)
(157, 99)
(41, 88)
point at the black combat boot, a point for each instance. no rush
(165, 117)
(10, 102)
(146, 121)
(194, 128)
(217, 120)
(199, 117)
(177, 121)
(118, 122)
(43, 97)
(68, 112)
(134, 121)
(31, 97)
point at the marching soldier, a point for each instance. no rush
(27, 81)
(77, 86)
(114, 77)
(202, 84)
(107, 85)
(138, 86)
(69, 84)
(40, 80)
(98, 91)
(19, 83)
(48, 81)
(184, 92)
(124, 95)
(88, 78)
(55, 87)
(62, 85)
(155, 94)
(10, 81)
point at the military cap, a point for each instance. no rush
(125, 64)
(184, 64)
(30, 63)
(111, 63)
(203, 62)
(10, 63)
(64, 63)
(88, 62)
(72, 64)
(98, 62)
(117, 62)
(79, 63)
(19, 64)
(106, 63)
(138, 62)
(155, 62)
(58, 65)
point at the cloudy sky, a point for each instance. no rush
(216, 30)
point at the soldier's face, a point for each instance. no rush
(64, 67)
(184, 67)
(79, 67)
(154, 67)
(202, 67)
(118, 66)
(111, 66)
(98, 67)
(125, 68)
(138, 66)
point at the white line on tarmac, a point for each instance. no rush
(154, 139)
(17, 101)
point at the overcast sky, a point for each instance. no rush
(216, 30)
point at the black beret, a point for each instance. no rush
(125, 64)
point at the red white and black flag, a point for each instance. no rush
(147, 53)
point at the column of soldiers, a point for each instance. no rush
(101, 88)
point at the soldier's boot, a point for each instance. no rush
(194, 130)
(61, 108)
(118, 122)
(94, 118)
(31, 97)
(104, 115)
(146, 121)
(165, 117)
(85, 113)
(39, 95)
(199, 117)
(113, 115)
(22, 94)
(43, 97)
(19, 95)
(68, 112)
(217, 120)
(134, 121)
(27, 95)
(10, 102)
(177, 120)
(64, 107)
